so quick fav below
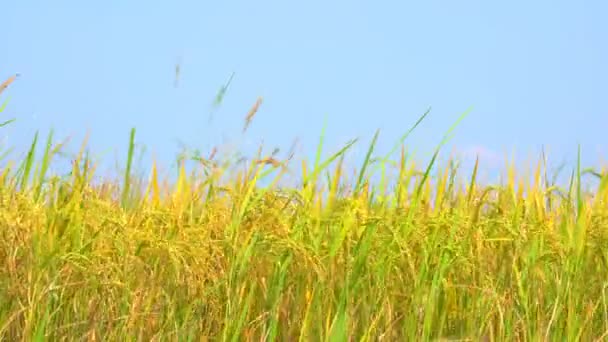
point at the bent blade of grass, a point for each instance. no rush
(386, 158)
(417, 195)
(407, 134)
(314, 174)
(7, 122)
(308, 187)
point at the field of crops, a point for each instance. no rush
(424, 253)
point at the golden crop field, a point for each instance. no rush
(430, 254)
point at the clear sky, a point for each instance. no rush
(535, 73)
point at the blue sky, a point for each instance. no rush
(535, 73)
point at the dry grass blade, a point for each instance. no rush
(8, 82)
(252, 113)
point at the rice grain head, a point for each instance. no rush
(270, 161)
(252, 113)
(8, 82)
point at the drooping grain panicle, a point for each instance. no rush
(8, 82)
(252, 112)
(270, 161)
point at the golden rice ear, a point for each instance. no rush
(252, 112)
(8, 82)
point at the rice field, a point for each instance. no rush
(424, 253)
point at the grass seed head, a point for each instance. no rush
(252, 112)
(8, 82)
